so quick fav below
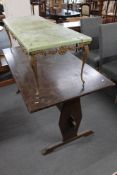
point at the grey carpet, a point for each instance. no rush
(23, 135)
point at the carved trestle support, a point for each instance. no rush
(69, 123)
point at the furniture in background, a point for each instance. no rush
(58, 5)
(108, 10)
(90, 27)
(63, 15)
(74, 5)
(85, 9)
(94, 7)
(5, 74)
(41, 7)
(108, 50)
(33, 4)
(55, 6)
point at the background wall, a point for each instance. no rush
(16, 8)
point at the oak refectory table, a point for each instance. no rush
(60, 85)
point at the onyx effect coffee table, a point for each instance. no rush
(38, 35)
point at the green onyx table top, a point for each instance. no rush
(35, 33)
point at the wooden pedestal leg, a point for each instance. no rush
(69, 123)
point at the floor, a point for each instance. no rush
(23, 135)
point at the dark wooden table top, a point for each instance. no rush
(58, 76)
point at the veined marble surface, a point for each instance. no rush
(36, 33)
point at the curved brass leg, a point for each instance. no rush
(85, 57)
